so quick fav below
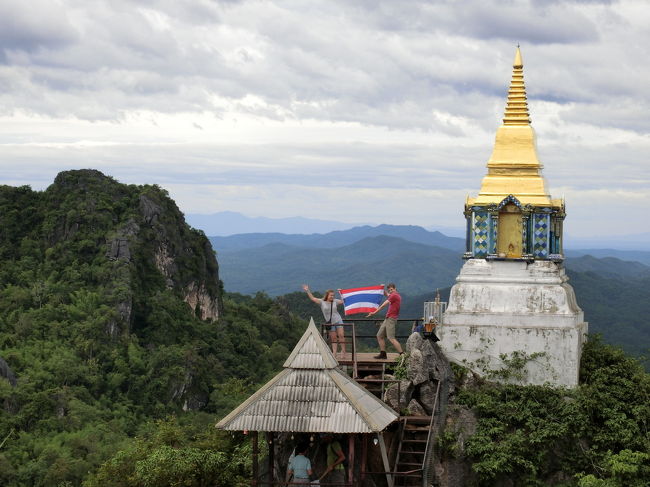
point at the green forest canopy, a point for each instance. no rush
(136, 407)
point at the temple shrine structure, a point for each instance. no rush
(512, 314)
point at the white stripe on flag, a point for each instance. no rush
(362, 305)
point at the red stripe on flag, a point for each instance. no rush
(369, 288)
(359, 310)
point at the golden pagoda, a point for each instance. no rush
(512, 297)
(513, 216)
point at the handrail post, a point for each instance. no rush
(355, 370)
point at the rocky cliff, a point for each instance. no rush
(140, 230)
(98, 263)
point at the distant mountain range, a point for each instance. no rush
(226, 223)
(614, 293)
(231, 223)
(278, 268)
(642, 256)
(416, 259)
(410, 233)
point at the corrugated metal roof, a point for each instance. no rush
(311, 351)
(310, 395)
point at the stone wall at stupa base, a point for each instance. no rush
(515, 321)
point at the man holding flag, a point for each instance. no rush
(387, 328)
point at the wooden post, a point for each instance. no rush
(269, 441)
(384, 457)
(351, 459)
(256, 451)
(364, 456)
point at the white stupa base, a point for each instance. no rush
(502, 314)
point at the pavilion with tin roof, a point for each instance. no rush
(311, 395)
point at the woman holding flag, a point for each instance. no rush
(328, 306)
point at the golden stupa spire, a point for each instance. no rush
(514, 167)
(517, 106)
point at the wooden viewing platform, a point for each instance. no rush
(366, 358)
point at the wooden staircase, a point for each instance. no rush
(371, 376)
(412, 449)
(415, 449)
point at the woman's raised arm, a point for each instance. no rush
(305, 288)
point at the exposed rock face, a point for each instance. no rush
(398, 396)
(150, 211)
(6, 372)
(200, 300)
(427, 396)
(434, 362)
(427, 369)
(182, 391)
(119, 247)
(199, 286)
(417, 371)
(414, 408)
(452, 467)
(141, 229)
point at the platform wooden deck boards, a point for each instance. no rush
(366, 358)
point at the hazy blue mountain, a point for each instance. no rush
(613, 292)
(642, 256)
(280, 263)
(230, 223)
(410, 233)
(618, 308)
(638, 241)
(280, 268)
(608, 266)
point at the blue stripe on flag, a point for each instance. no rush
(363, 298)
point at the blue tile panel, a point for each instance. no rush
(481, 238)
(541, 227)
(494, 228)
(524, 237)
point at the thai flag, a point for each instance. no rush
(362, 299)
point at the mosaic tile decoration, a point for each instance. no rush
(540, 235)
(481, 232)
(493, 224)
(524, 236)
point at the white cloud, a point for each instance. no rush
(251, 105)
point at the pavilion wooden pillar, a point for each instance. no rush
(351, 459)
(384, 457)
(256, 451)
(271, 446)
(364, 456)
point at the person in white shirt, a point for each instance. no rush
(328, 305)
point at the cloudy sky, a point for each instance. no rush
(350, 110)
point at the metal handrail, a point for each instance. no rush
(279, 483)
(408, 472)
(354, 321)
(425, 460)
